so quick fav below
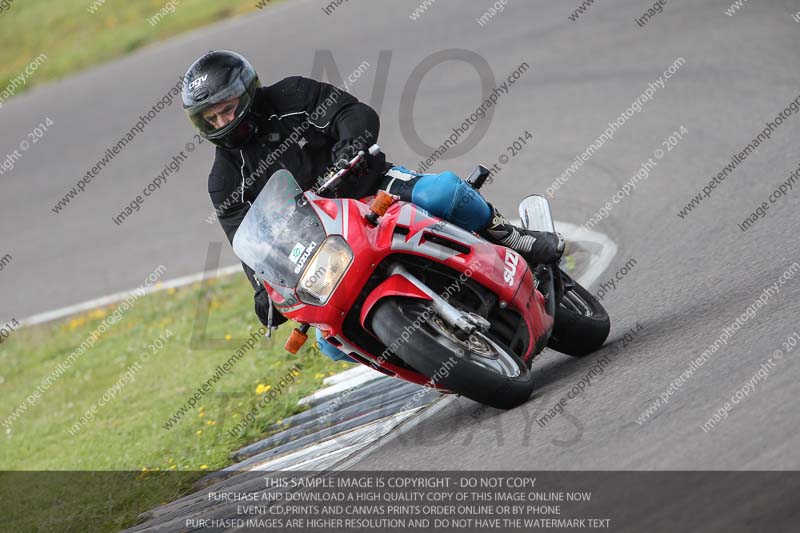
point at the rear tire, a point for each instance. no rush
(581, 323)
(484, 371)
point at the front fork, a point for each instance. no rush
(468, 323)
(535, 215)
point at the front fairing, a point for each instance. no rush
(280, 232)
(283, 218)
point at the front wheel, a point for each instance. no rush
(475, 366)
(581, 323)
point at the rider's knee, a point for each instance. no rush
(447, 196)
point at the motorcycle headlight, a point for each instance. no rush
(324, 271)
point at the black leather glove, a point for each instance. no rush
(262, 305)
(345, 150)
(561, 243)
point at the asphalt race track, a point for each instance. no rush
(691, 276)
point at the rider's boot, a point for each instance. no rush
(536, 247)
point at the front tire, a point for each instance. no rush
(581, 323)
(478, 367)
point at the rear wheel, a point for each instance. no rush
(581, 323)
(476, 366)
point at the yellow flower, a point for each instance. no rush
(203, 467)
(261, 388)
(211, 422)
(77, 322)
(319, 375)
(228, 336)
(199, 432)
(173, 467)
(144, 469)
(201, 414)
(171, 290)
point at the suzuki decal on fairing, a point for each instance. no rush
(510, 266)
(405, 292)
(303, 258)
(296, 252)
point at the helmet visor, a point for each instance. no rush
(220, 114)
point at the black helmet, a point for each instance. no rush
(214, 78)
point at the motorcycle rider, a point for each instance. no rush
(310, 127)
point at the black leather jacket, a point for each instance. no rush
(298, 122)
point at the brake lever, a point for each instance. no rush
(332, 181)
(373, 151)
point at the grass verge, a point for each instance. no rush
(75, 34)
(127, 432)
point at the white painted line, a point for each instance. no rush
(325, 454)
(341, 386)
(425, 412)
(599, 262)
(103, 301)
(328, 453)
(571, 232)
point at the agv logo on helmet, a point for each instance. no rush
(196, 83)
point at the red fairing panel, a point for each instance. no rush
(394, 285)
(499, 269)
(508, 275)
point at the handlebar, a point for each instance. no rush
(373, 151)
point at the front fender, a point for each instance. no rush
(394, 285)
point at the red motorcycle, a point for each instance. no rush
(411, 295)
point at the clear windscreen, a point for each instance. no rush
(280, 232)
